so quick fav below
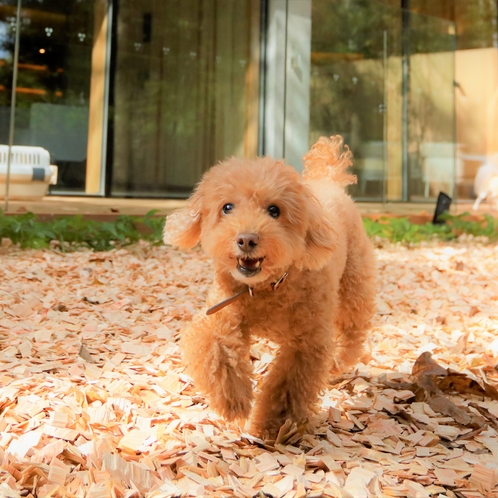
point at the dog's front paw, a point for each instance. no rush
(233, 399)
(232, 409)
(278, 430)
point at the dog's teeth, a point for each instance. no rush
(258, 264)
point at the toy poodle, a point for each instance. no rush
(292, 264)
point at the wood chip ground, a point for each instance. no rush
(94, 401)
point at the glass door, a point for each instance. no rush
(186, 92)
(60, 90)
(433, 158)
(348, 84)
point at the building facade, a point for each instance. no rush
(139, 98)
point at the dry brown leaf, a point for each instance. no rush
(426, 366)
(490, 418)
(425, 370)
(461, 383)
(445, 406)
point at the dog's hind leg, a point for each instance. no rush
(356, 303)
(216, 353)
(479, 199)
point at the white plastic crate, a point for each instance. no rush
(30, 172)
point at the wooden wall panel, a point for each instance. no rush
(97, 100)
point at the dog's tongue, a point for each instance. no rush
(250, 263)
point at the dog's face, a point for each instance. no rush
(255, 219)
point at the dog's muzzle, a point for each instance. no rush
(249, 267)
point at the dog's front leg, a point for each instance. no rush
(291, 389)
(216, 352)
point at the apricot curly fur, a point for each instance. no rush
(319, 317)
(328, 158)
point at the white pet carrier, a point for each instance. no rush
(30, 172)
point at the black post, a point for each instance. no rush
(442, 206)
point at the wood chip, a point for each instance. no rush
(94, 400)
(483, 477)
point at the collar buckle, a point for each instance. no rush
(279, 282)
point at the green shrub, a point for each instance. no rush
(401, 230)
(73, 232)
(486, 227)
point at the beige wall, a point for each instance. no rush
(476, 73)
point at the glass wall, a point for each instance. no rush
(348, 83)
(386, 85)
(140, 98)
(54, 80)
(433, 161)
(476, 82)
(186, 91)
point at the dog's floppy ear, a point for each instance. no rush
(183, 227)
(320, 237)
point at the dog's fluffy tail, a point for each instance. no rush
(329, 159)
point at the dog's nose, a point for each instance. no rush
(247, 241)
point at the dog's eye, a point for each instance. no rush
(227, 208)
(273, 211)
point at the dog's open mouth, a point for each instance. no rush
(249, 266)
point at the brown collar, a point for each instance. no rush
(250, 290)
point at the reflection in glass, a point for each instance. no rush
(184, 92)
(53, 85)
(433, 162)
(347, 83)
(400, 128)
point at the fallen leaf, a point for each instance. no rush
(445, 406)
(426, 366)
(461, 383)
